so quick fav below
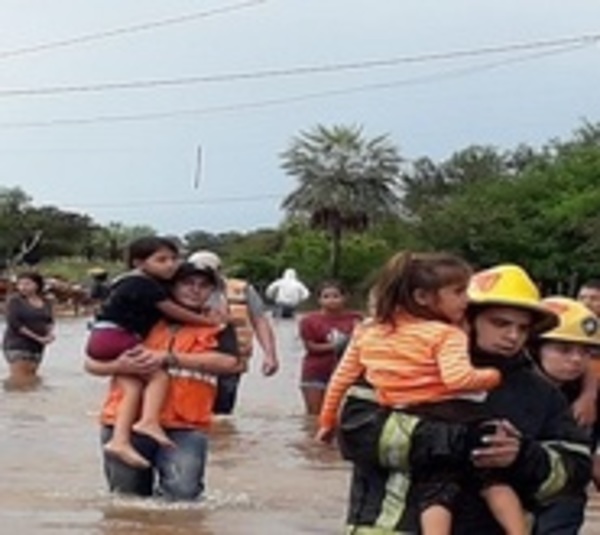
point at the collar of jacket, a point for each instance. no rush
(506, 365)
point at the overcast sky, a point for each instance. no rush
(112, 155)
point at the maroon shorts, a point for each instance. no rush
(107, 343)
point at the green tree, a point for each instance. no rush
(345, 182)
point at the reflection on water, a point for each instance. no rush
(265, 473)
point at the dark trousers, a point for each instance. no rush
(564, 516)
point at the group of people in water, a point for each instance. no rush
(465, 402)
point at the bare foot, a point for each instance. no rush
(127, 454)
(155, 432)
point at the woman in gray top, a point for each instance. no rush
(29, 329)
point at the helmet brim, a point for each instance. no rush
(543, 319)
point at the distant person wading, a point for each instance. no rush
(287, 293)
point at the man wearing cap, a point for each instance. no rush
(241, 302)
(193, 355)
(535, 440)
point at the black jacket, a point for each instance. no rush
(554, 459)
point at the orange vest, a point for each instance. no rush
(191, 394)
(237, 304)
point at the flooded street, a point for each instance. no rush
(265, 475)
(264, 472)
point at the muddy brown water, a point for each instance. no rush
(265, 475)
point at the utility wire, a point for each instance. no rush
(118, 32)
(266, 103)
(213, 200)
(559, 44)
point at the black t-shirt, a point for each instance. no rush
(132, 301)
(19, 313)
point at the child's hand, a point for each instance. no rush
(325, 434)
(242, 365)
(48, 339)
(584, 410)
(215, 317)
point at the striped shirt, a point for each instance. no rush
(417, 361)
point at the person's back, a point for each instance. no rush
(287, 293)
(419, 361)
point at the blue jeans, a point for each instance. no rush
(176, 474)
(564, 516)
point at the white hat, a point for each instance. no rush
(205, 259)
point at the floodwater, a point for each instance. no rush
(265, 474)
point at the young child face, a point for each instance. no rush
(332, 299)
(161, 264)
(451, 302)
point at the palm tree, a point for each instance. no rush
(346, 181)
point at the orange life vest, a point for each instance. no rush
(237, 302)
(191, 394)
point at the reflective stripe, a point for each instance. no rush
(558, 476)
(193, 374)
(395, 440)
(556, 479)
(573, 447)
(362, 392)
(394, 502)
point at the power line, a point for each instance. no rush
(559, 44)
(266, 103)
(136, 28)
(180, 202)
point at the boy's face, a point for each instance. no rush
(590, 297)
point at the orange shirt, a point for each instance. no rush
(417, 361)
(191, 394)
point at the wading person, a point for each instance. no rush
(534, 440)
(416, 357)
(186, 352)
(240, 302)
(29, 329)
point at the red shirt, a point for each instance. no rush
(317, 327)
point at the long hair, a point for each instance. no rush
(405, 273)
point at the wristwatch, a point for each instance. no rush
(171, 360)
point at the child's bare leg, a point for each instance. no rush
(436, 520)
(506, 508)
(154, 396)
(120, 443)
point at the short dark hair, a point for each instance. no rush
(591, 283)
(331, 283)
(144, 247)
(34, 277)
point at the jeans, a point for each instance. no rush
(176, 474)
(564, 516)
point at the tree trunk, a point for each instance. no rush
(336, 247)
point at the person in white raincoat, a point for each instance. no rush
(287, 293)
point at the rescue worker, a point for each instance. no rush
(240, 301)
(535, 439)
(564, 356)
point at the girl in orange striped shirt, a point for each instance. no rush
(415, 356)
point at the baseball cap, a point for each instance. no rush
(187, 269)
(205, 259)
